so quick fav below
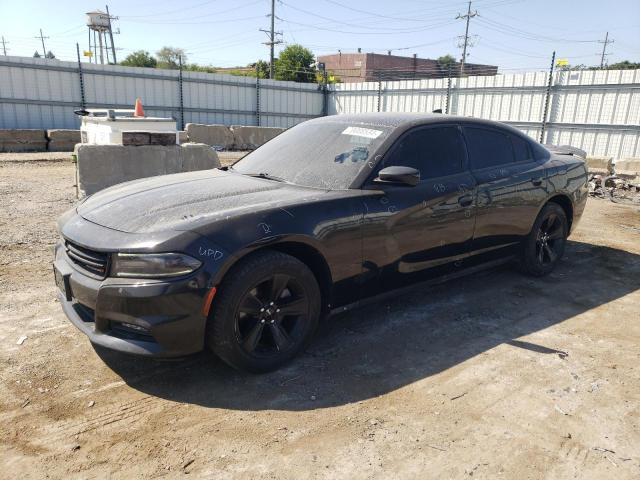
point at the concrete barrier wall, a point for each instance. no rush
(250, 138)
(22, 141)
(62, 140)
(214, 135)
(599, 164)
(628, 167)
(237, 137)
(101, 166)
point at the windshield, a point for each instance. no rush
(316, 154)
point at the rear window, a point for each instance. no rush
(488, 148)
(521, 149)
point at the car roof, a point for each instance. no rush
(402, 119)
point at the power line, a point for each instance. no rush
(376, 30)
(377, 33)
(519, 32)
(468, 17)
(604, 48)
(388, 17)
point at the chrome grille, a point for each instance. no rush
(89, 260)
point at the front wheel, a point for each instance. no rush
(544, 246)
(265, 312)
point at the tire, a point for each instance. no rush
(249, 327)
(543, 248)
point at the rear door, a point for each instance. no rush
(412, 233)
(511, 185)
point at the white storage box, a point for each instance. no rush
(105, 126)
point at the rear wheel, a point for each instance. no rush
(265, 312)
(544, 246)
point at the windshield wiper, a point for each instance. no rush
(266, 176)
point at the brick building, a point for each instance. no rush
(369, 67)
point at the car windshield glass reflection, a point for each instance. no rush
(325, 155)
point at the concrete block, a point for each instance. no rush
(23, 141)
(628, 167)
(214, 135)
(198, 156)
(182, 137)
(137, 138)
(63, 135)
(250, 138)
(101, 166)
(600, 163)
(162, 138)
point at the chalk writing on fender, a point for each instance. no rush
(210, 252)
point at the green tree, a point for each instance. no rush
(169, 57)
(296, 64)
(624, 65)
(50, 55)
(194, 67)
(446, 61)
(140, 58)
(261, 69)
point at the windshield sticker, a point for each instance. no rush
(356, 154)
(362, 132)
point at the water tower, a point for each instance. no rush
(99, 24)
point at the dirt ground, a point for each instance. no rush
(496, 375)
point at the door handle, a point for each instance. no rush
(465, 200)
(536, 182)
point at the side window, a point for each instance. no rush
(521, 149)
(436, 152)
(488, 148)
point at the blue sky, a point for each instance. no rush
(514, 34)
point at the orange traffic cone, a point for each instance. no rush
(138, 110)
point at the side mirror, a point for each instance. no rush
(402, 175)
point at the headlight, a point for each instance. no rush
(152, 264)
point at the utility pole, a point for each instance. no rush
(44, 50)
(468, 17)
(4, 46)
(272, 37)
(604, 48)
(113, 48)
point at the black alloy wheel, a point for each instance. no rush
(543, 248)
(265, 312)
(550, 239)
(271, 316)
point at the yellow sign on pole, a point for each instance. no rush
(562, 62)
(87, 53)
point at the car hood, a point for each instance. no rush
(185, 201)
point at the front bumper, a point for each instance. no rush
(138, 316)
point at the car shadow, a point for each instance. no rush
(388, 345)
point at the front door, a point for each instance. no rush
(413, 233)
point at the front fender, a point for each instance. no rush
(228, 261)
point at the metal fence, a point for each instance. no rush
(42, 93)
(595, 110)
